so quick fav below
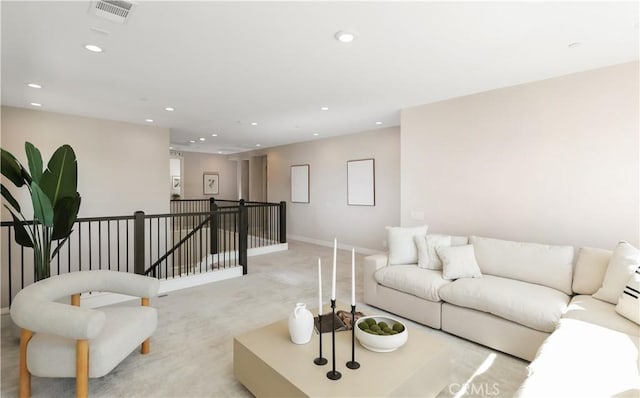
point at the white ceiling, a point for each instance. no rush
(224, 65)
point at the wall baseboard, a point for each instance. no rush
(341, 246)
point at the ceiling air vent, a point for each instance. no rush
(114, 10)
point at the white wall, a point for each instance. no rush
(196, 164)
(122, 167)
(553, 161)
(328, 215)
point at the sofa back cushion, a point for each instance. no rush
(546, 265)
(590, 268)
(402, 246)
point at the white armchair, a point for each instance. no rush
(59, 340)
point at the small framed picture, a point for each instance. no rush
(175, 185)
(211, 184)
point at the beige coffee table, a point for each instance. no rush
(270, 365)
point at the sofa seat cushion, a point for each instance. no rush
(535, 306)
(420, 282)
(581, 359)
(592, 310)
(125, 329)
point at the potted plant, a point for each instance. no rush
(54, 198)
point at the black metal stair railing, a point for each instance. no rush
(164, 245)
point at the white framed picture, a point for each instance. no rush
(361, 182)
(211, 184)
(300, 183)
(175, 185)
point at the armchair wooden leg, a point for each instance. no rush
(24, 389)
(145, 344)
(82, 368)
(145, 347)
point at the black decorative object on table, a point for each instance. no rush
(333, 374)
(353, 364)
(320, 361)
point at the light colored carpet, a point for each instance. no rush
(191, 352)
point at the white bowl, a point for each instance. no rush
(379, 343)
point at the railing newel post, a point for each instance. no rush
(138, 242)
(243, 239)
(283, 222)
(213, 226)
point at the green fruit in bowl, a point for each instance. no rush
(375, 328)
(363, 326)
(398, 327)
(370, 321)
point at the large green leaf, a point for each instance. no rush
(22, 236)
(12, 169)
(60, 179)
(35, 161)
(9, 198)
(64, 216)
(42, 208)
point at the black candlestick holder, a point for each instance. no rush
(352, 364)
(333, 374)
(320, 361)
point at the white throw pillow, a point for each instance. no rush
(629, 302)
(427, 255)
(459, 262)
(402, 248)
(624, 261)
(590, 268)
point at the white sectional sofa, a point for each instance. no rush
(532, 302)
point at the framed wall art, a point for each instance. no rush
(361, 182)
(211, 183)
(300, 183)
(175, 185)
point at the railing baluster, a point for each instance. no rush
(90, 244)
(99, 245)
(9, 262)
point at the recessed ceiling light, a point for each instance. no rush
(258, 145)
(192, 141)
(148, 120)
(201, 138)
(93, 48)
(34, 85)
(254, 123)
(324, 108)
(214, 135)
(219, 152)
(316, 134)
(345, 37)
(574, 44)
(378, 123)
(36, 104)
(169, 109)
(170, 147)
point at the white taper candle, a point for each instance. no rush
(333, 276)
(319, 287)
(353, 276)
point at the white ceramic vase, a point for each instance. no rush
(300, 324)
